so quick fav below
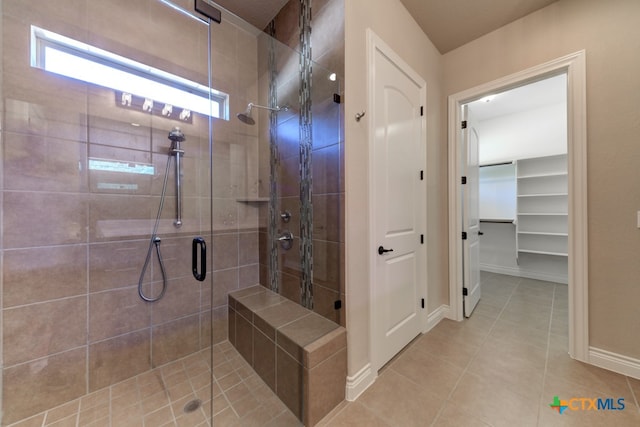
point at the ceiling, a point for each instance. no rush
(452, 23)
(448, 23)
(535, 95)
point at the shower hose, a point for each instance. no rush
(154, 241)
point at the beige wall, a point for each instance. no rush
(390, 21)
(610, 34)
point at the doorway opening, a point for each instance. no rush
(576, 245)
(521, 182)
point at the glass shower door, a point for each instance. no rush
(161, 217)
(106, 190)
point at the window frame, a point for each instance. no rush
(42, 39)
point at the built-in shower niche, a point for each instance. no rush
(301, 355)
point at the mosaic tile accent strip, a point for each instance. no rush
(274, 282)
(306, 146)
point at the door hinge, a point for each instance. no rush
(337, 304)
(464, 235)
(336, 98)
(463, 124)
(421, 175)
(209, 11)
(422, 302)
(422, 239)
(464, 180)
(465, 292)
(422, 110)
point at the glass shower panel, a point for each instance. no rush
(327, 195)
(300, 173)
(300, 146)
(84, 171)
(280, 161)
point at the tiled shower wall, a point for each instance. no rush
(327, 48)
(72, 249)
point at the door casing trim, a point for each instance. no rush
(574, 65)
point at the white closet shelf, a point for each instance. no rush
(544, 233)
(542, 175)
(542, 206)
(543, 252)
(544, 195)
(543, 214)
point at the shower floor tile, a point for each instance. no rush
(165, 396)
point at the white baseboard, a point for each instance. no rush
(359, 382)
(615, 362)
(436, 316)
(510, 271)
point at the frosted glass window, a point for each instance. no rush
(64, 56)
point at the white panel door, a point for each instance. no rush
(399, 200)
(471, 213)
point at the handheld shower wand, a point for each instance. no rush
(176, 136)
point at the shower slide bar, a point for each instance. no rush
(176, 136)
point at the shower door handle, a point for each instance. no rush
(201, 273)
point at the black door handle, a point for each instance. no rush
(382, 250)
(480, 233)
(199, 275)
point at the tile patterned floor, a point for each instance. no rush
(501, 367)
(157, 398)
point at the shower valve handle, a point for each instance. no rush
(287, 236)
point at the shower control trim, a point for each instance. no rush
(286, 240)
(285, 216)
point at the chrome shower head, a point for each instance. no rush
(247, 118)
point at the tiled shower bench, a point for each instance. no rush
(301, 355)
